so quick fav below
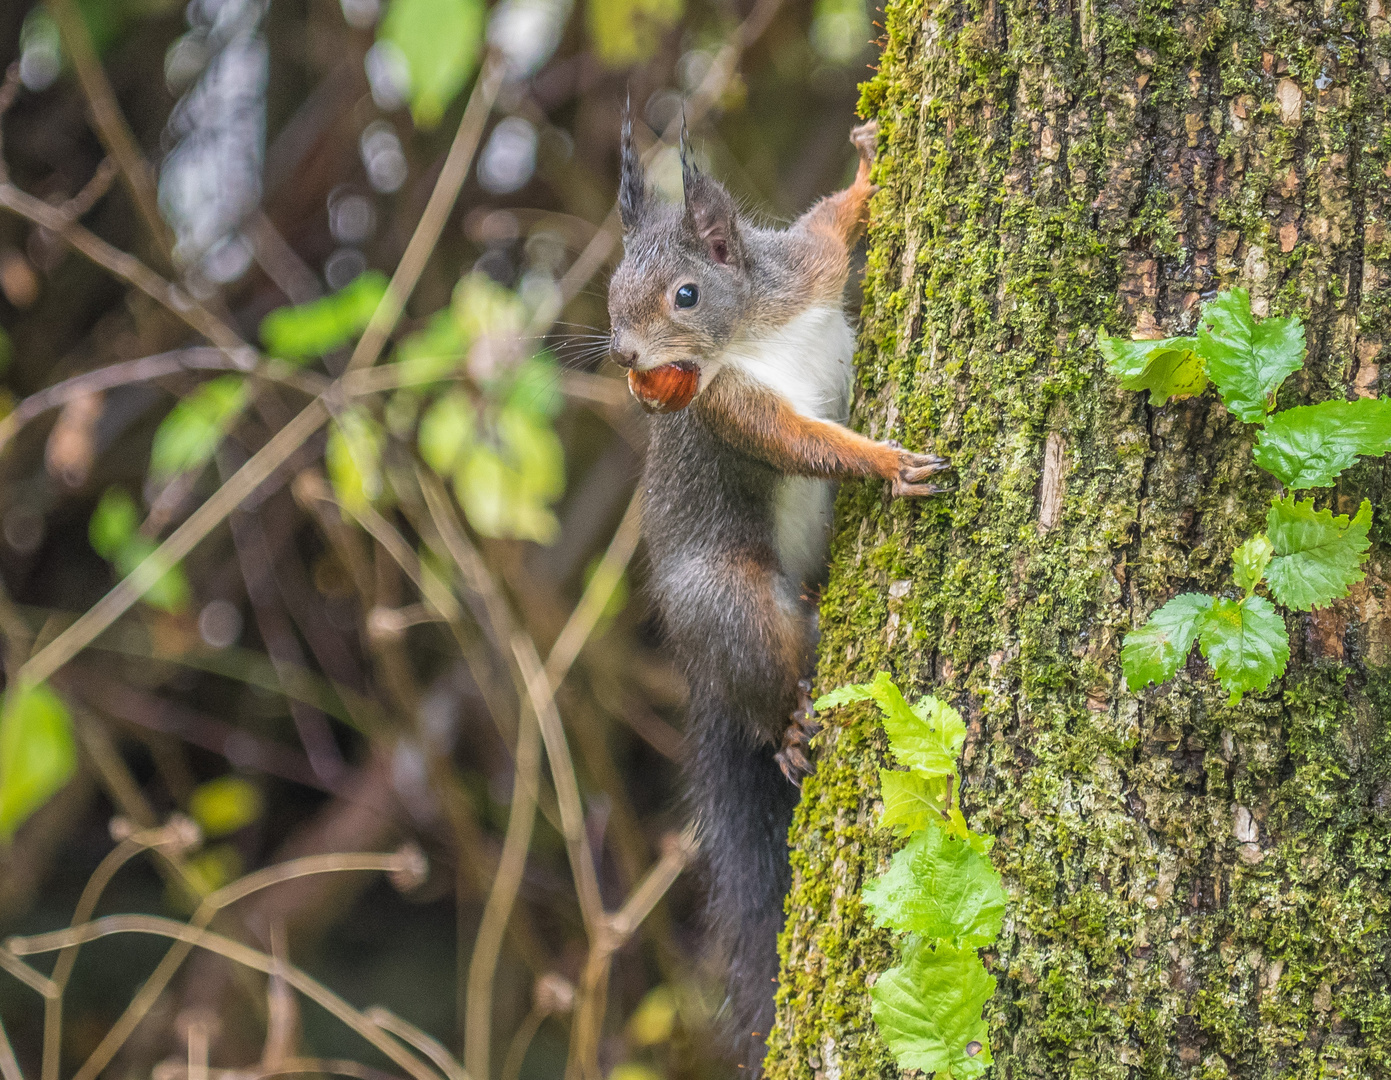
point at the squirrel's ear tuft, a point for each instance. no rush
(712, 217)
(632, 187)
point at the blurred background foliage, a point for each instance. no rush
(317, 676)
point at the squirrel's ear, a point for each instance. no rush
(712, 216)
(632, 187)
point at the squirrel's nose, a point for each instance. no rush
(624, 357)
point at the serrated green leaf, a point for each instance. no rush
(320, 326)
(37, 753)
(440, 41)
(353, 460)
(190, 434)
(843, 695)
(1246, 643)
(939, 887)
(1310, 445)
(1249, 562)
(1248, 360)
(1318, 556)
(928, 1009)
(912, 802)
(1167, 367)
(927, 737)
(1153, 652)
(446, 431)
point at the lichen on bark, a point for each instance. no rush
(1197, 889)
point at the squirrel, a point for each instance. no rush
(735, 337)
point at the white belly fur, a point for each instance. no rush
(808, 362)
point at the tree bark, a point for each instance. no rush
(1197, 889)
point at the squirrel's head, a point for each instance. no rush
(680, 293)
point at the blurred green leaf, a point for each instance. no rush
(37, 753)
(625, 32)
(632, 1070)
(654, 1019)
(535, 452)
(840, 30)
(213, 868)
(113, 522)
(440, 41)
(433, 353)
(309, 330)
(446, 431)
(112, 532)
(353, 457)
(189, 436)
(225, 805)
(536, 388)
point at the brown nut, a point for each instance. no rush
(666, 389)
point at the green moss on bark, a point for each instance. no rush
(1197, 890)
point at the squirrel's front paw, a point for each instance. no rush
(913, 469)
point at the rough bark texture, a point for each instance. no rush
(1197, 889)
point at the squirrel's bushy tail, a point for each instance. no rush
(744, 806)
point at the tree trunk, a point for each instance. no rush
(1197, 889)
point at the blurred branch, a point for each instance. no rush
(112, 129)
(9, 1064)
(263, 464)
(150, 990)
(436, 213)
(130, 270)
(191, 936)
(408, 1032)
(147, 369)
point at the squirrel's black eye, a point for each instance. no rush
(687, 295)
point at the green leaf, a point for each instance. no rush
(1248, 360)
(440, 41)
(1310, 445)
(843, 695)
(536, 388)
(927, 737)
(1249, 562)
(939, 887)
(1246, 643)
(627, 31)
(928, 1010)
(446, 431)
(1318, 556)
(320, 326)
(431, 354)
(170, 592)
(1167, 367)
(189, 436)
(225, 805)
(1153, 652)
(912, 802)
(113, 523)
(37, 753)
(353, 457)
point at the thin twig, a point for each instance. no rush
(427, 233)
(112, 129)
(236, 952)
(567, 788)
(130, 270)
(626, 920)
(408, 1032)
(154, 985)
(261, 465)
(521, 1043)
(92, 190)
(147, 369)
(9, 1064)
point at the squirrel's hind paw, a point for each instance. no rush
(901, 489)
(793, 757)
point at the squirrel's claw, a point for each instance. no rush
(921, 467)
(793, 757)
(901, 489)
